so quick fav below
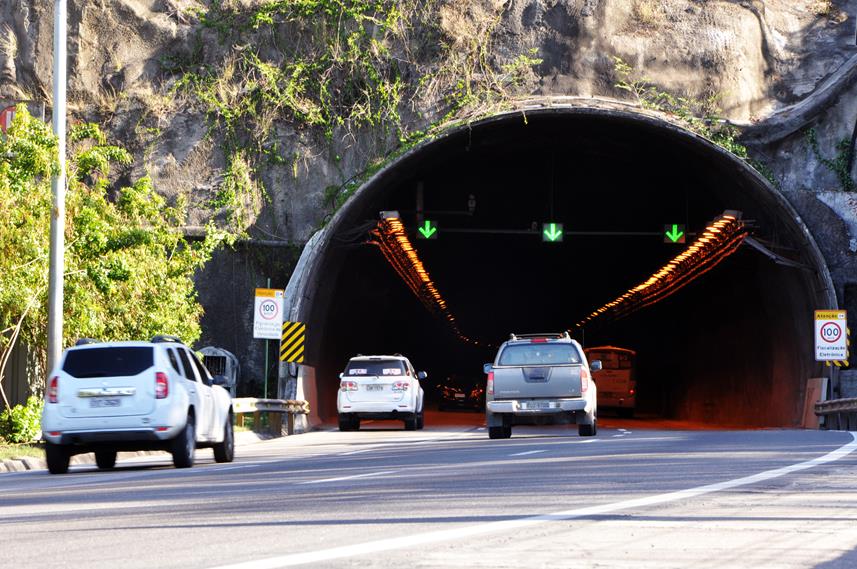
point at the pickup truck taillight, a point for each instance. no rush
(54, 390)
(162, 385)
(489, 387)
(348, 386)
(584, 379)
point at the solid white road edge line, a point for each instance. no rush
(403, 542)
(367, 475)
(527, 452)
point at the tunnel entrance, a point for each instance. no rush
(732, 348)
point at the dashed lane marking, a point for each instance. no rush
(341, 478)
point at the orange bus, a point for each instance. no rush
(616, 381)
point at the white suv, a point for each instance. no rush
(126, 396)
(380, 387)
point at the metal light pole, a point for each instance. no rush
(57, 255)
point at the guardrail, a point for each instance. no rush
(839, 414)
(274, 408)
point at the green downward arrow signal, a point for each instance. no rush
(427, 230)
(552, 232)
(674, 234)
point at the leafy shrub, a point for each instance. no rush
(22, 424)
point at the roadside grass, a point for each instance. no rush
(8, 451)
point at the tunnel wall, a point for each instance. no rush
(310, 294)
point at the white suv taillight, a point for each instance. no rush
(490, 384)
(584, 379)
(162, 385)
(401, 386)
(348, 386)
(54, 390)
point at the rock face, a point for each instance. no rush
(776, 68)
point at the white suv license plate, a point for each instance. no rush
(538, 405)
(371, 387)
(99, 402)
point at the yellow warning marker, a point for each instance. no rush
(292, 342)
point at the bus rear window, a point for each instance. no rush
(612, 360)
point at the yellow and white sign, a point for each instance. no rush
(268, 313)
(831, 335)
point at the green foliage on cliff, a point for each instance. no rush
(128, 267)
(701, 116)
(840, 165)
(342, 71)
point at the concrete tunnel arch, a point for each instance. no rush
(787, 296)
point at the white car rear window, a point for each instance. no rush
(379, 368)
(108, 361)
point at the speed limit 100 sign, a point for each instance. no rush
(268, 313)
(831, 335)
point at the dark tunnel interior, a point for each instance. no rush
(733, 348)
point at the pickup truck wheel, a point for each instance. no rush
(105, 459)
(499, 432)
(588, 430)
(57, 457)
(225, 451)
(183, 445)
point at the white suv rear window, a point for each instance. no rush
(108, 361)
(375, 367)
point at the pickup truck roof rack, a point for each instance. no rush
(554, 335)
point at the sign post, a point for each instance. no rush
(267, 321)
(831, 337)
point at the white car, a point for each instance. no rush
(105, 397)
(380, 387)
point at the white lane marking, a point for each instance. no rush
(621, 430)
(444, 536)
(340, 478)
(527, 452)
(358, 451)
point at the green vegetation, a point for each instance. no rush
(338, 73)
(128, 268)
(21, 451)
(21, 423)
(838, 165)
(701, 116)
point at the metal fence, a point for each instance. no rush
(839, 414)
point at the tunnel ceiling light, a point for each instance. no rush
(390, 236)
(720, 239)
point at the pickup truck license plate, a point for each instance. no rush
(372, 387)
(104, 402)
(537, 405)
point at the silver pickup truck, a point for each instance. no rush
(540, 374)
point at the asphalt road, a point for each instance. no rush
(450, 497)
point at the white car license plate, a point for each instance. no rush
(105, 402)
(537, 405)
(374, 387)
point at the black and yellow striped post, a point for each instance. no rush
(292, 342)
(843, 363)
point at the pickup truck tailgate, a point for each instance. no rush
(514, 382)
